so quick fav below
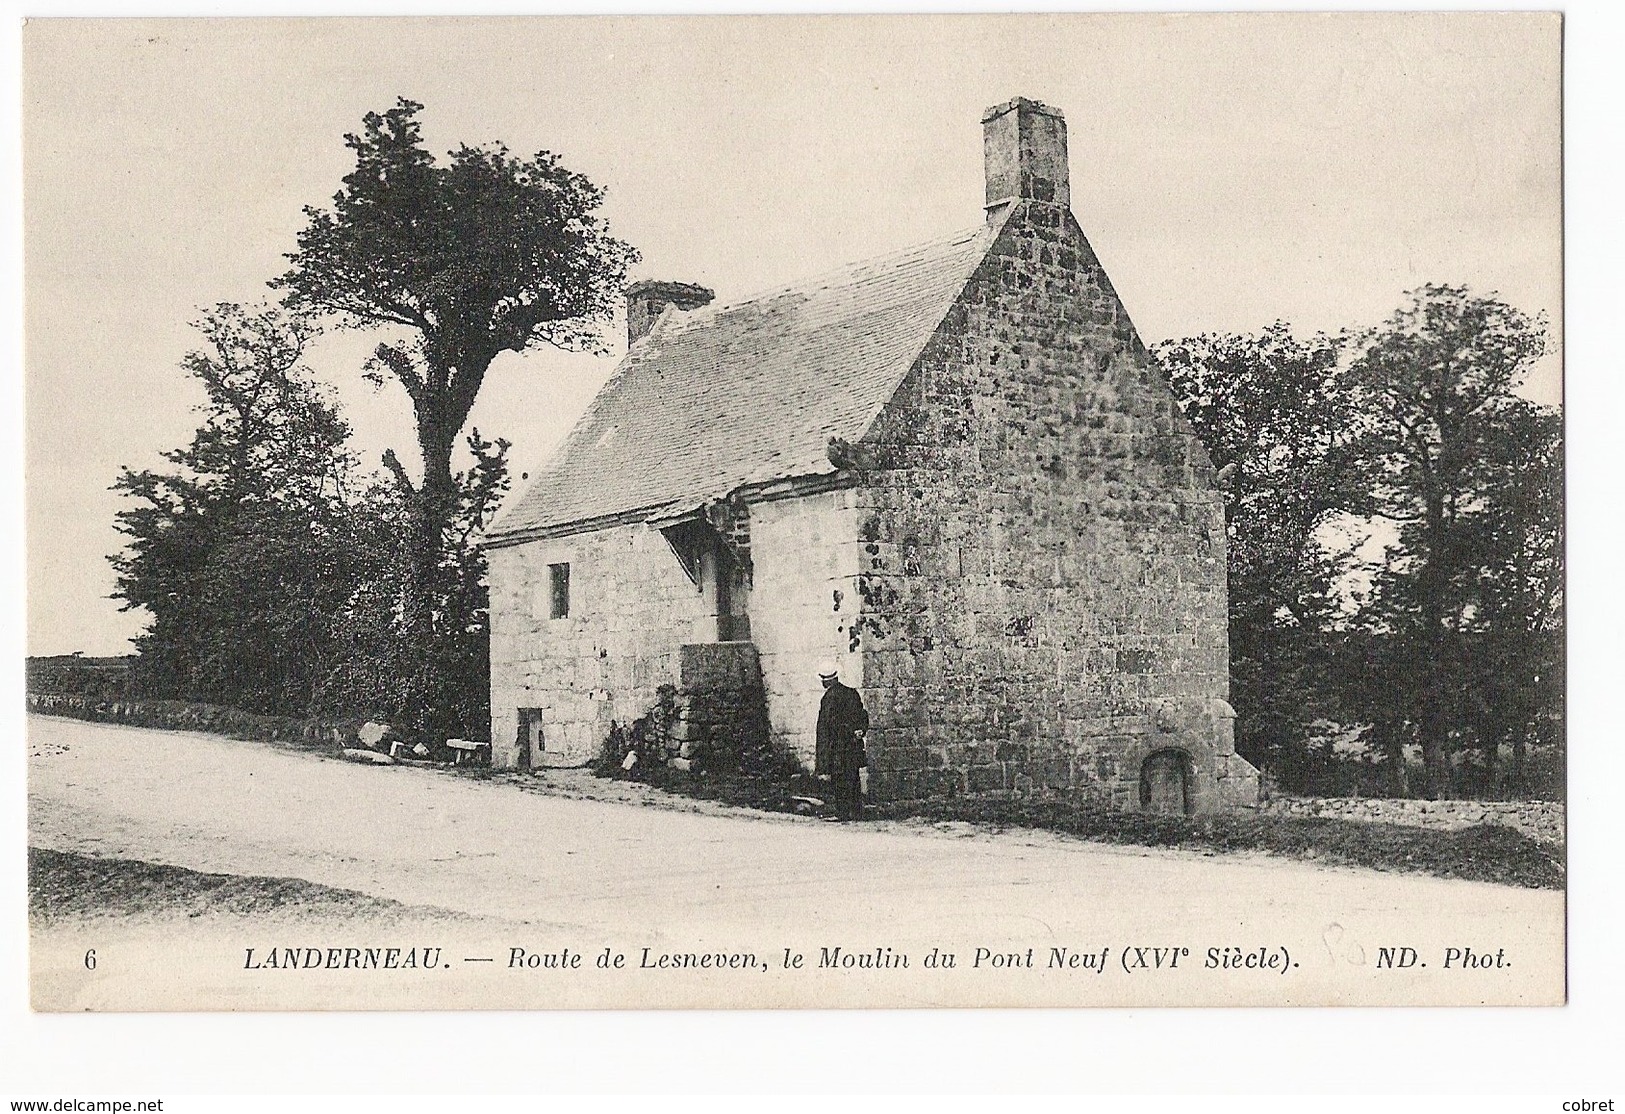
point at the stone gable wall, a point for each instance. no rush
(1043, 586)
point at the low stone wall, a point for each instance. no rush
(716, 719)
(1540, 820)
(721, 704)
(180, 715)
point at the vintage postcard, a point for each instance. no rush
(909, 511)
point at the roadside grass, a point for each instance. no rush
(770, 794)
(62, 884)
(1486, 853)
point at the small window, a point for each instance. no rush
(558, 591)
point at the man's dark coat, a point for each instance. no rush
(841, 716)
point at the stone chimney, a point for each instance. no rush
(1024, 151)
(645, 300)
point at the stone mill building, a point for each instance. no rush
(955, 470)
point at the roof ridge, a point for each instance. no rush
(821, 280)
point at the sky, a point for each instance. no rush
(1230, 171)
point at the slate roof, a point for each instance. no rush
(728, 396)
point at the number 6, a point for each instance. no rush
(90, 960)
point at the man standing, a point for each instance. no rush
(842, 721)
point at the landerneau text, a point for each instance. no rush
(342, 959)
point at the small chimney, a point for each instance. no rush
(645, 300)
(1024, 151)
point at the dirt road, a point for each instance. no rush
(600, 874)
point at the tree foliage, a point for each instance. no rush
(1442, 443)
(1275, 418)
(485, 254)
(1451, 642)
(274, 570)
(441, 689)
(460, 261)
(232, 550)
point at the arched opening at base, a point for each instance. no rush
(1165, 783)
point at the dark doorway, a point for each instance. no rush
(717, 572)
(1165, 783)
(531, 740)
(726, 589)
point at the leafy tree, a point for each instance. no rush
(1413, 427)
(442, 690)
(264, 602)
(229, 550)
(275, 573)
(1274, 415)
(1441, 435)
(483, 254)
(1512, 619)
(1521, 589)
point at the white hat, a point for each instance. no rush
(828, 669)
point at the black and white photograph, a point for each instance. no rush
(745, 512)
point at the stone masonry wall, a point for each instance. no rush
(804, 600)
(721, 712)
(1043, 588)
(1539, 820)
(631, 609)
